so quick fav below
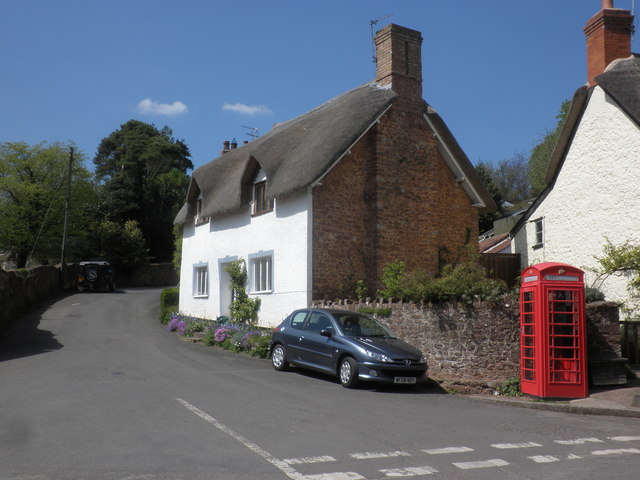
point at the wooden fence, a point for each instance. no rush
(631, 341)
(502, 266)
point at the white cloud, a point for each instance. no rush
(149, 107)
(247, 109)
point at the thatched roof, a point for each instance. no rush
(298, 153)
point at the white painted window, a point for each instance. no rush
(539, 232)
(201, 280)
(261, 271)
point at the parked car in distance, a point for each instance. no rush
(348, 345)
(96, 275)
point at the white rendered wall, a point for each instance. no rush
(285, 232)
(596, 195)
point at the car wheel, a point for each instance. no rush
(348, 372)
(279, 358)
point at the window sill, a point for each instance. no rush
(262, 292)
(201, 296)
(538, 246)
(257, 214)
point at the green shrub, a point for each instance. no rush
(593, 295)
(459, 282)
(168, 303)
(510, 388)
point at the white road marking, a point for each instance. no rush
(335, 476)
(279, 464)
(574, 457)
(579, 441)
(615, 451)
(496, 462)
(298, 461)
(409, 471)
(624, 439)
(516, 445)
(370, 455)
(544, 459)
(439, 451)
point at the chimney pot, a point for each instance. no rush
(607, 4)
(234, 144)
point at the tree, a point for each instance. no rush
(485, 172)
(122, 244)
(541, 153)
(142, 171)
(32, 201)
(512, 178)
(622, 261)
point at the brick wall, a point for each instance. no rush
(344, 223)
(393, 197)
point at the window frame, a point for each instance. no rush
(201, 287)
(538, 232)
(258, 277)
(261, 204)
(199, 219)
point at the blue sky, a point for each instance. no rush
(496, 71)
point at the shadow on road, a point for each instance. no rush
(23, 338)
(427, 388)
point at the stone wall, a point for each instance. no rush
(479, 345)
(152, 275)
(22, 290)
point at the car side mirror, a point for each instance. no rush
(326, 333)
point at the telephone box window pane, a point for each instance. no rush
(528, 352)
(564, 330)
(529, 375)
(527, 307)
(528, 296)
(528, 329)
(527, 318)
(529, 364)
(528, 341)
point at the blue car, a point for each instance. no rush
(348, 345)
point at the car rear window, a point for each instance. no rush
(298, 320)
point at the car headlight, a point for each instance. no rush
(378, 356)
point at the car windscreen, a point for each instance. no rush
(355, 325)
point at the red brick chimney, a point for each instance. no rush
(399, 61)
(608, 35)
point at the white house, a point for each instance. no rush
(593, 191)
(329, 198)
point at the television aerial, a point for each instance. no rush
(373, 41)
(253, 133)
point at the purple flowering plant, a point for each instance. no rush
(173, 322)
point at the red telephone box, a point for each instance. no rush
(553, 354)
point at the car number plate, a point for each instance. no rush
(404, 380)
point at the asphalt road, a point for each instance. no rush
(93, 387)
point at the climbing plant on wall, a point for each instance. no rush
(243, 309)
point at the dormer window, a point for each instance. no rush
(199, 218)
(260, 202)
